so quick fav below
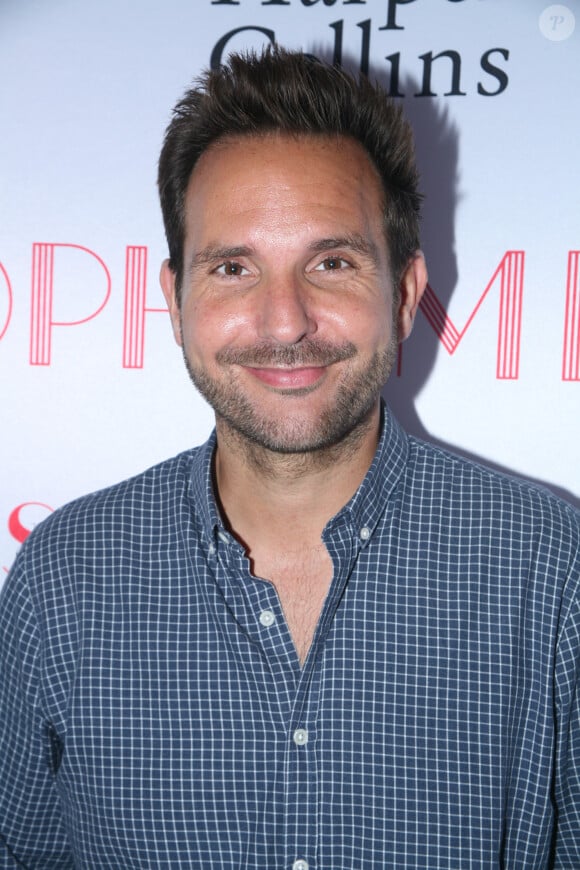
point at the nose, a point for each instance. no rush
(286, 313)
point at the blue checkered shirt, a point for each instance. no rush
(155, 715)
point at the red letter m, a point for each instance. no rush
(510, 276)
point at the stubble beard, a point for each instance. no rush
(339, 427)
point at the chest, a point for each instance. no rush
(403, 734)
(302, 579)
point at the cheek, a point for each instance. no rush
(208, 327)
(367, 324)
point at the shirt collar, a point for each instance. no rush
(363, 510)
(202, 488)
(367, 505)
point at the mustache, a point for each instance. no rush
(310, 352)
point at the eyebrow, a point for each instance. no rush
(214, 252)
(354, 242)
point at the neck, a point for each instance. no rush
(275, 497)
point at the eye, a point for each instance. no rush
(332, 264)
(231, 269)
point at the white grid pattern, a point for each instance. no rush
(440, 694)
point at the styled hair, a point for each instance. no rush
(294, 93)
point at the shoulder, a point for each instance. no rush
(488, 524)
(436, 463)
(510, 507)
(147, 501)
(162, 482)
(86, 557)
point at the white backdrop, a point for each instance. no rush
(93, 388)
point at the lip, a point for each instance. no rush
(287, 379)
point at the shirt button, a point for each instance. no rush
(223, 538)
(267, 618)
(300, 738)
(301, 864)
(365, 533)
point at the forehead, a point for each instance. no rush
(279, 171)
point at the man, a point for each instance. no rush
(314, 641)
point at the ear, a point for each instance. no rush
(412, 287)
(167, 281)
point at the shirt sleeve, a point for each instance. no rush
(32, 832)
(567, 775)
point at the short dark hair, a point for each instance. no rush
(294, 93)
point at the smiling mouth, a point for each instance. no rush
(297, 378)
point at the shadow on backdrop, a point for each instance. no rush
(437, 146)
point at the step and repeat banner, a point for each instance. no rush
(93, 387)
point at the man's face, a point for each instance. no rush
(285, 316)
